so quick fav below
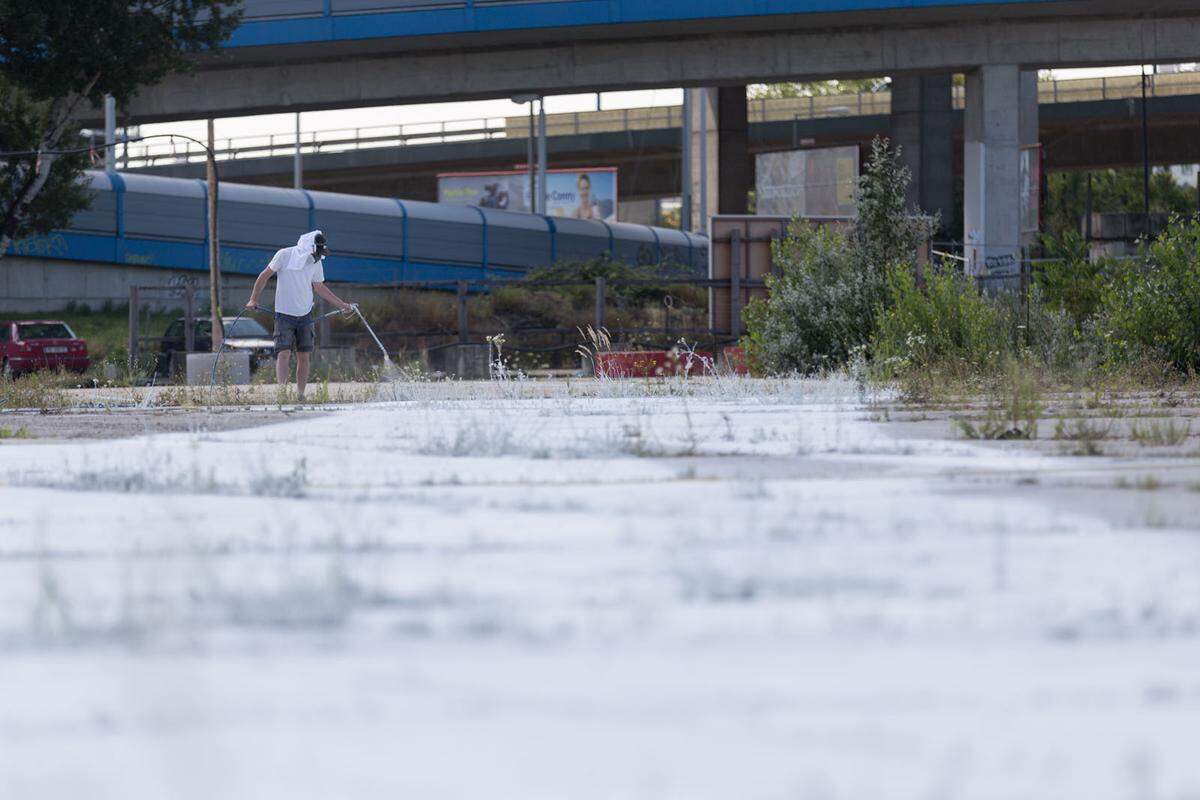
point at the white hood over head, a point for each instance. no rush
(301, 255)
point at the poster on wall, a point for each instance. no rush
(576, 193)
(816, 183)
(1031, 188)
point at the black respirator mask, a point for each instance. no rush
(320, 250)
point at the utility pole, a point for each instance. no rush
(1145, 155)
(110, 133)
(214, 251)
(704, 160)
(531, 162)
(685, 194)
(542, 155)
(297, 167)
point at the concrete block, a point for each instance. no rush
(466, 361)
(234, 368)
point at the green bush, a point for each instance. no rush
(820, 307)
(1071, 281)
(1151, 308)
(830, 282)
(947, 325)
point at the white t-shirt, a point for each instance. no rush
(293, 287)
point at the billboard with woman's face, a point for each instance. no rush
(579, 194)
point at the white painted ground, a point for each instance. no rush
(750, 592)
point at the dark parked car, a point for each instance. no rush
(247, 335)
(33, 344)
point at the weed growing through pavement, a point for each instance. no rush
(1014, 409)
(595, 342)
(498, 368)
(320, 394)
(162, 474)
(1142, 483)
(1082, 430)
(44, 391)
(1159, 434)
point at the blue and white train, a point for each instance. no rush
(153, 221)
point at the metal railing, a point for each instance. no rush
(775, 109)
(604, 314)
(149, 348)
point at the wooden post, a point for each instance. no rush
(133, 327)
(214, 250)
(599, 302)
(462, 312)
(735, 284)
(189, 318)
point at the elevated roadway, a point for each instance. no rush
(1088, 124)
(296, 55)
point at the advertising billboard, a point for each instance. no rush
(807, 183)
(578, 193)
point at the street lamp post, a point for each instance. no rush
(110, 133)
(1145, 155)
(297, 163)
(685, 167)
(527, 99)
(542, 155)
(214, 247)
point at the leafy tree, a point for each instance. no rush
(1113, 191)
(887, 229)
(23, 126)
(769, 91)
(60, 57)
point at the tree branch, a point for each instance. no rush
(56, 122)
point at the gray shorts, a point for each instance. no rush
(293, 333)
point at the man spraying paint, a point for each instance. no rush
(299, 274)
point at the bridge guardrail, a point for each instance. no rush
(781, 109)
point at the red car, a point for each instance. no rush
(29, 345)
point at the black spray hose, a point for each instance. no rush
(220, 351)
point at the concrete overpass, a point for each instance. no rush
(301, 55)
(1083, 124)
(296, 55)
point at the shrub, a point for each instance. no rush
(948, 326)
(830, 282)
(821, 305)
(1151, 310)
(1071, 281)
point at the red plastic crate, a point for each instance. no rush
(651, 363)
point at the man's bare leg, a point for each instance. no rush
(301, 372)
(282, 368)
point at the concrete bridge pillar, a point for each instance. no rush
(733, 173)
(922, 126)
(991, 171)
(720, 152)
(705, 155)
